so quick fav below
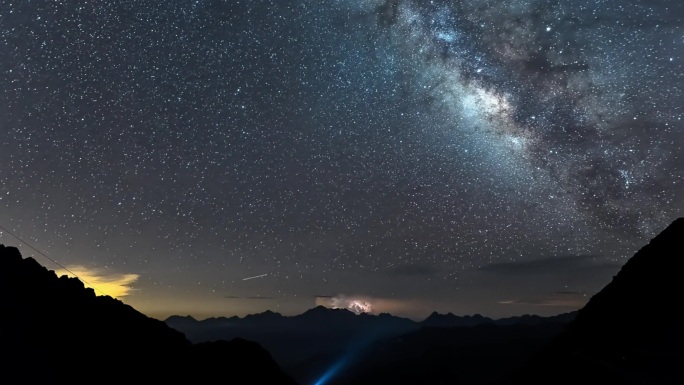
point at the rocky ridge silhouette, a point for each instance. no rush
(53, 327)
(308, 344)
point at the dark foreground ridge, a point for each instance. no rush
(54, 328)
(631, 332)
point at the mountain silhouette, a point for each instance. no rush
(631, 332)
(306, 345)
(53, 327)
(450, 320)
(316, 320)
(305, 341)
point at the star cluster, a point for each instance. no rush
(395, 149)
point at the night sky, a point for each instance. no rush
(229, 157)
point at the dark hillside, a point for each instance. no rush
(52, 327)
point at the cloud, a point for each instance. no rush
(374, 305)
(114, 285)
(357, 305)
(570, 299)
(412, 270)
(545, 265)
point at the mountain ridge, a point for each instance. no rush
(474, 319)
(306, 343)
(54, 324)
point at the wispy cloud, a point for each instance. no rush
(570, 299)
(413, 270)
(575, 265)
(545, 265)
(104, 283)
(254, 297)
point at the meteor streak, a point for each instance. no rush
(256, 276)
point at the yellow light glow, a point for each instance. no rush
(113, 285)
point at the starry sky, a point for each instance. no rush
(227, 157)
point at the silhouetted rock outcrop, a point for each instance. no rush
(53, 327)
(631, 332)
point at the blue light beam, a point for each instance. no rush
(332, 371)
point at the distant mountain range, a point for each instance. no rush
(323, 319)
(306, 344)
(54, 329)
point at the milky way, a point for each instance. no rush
(433, 152)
